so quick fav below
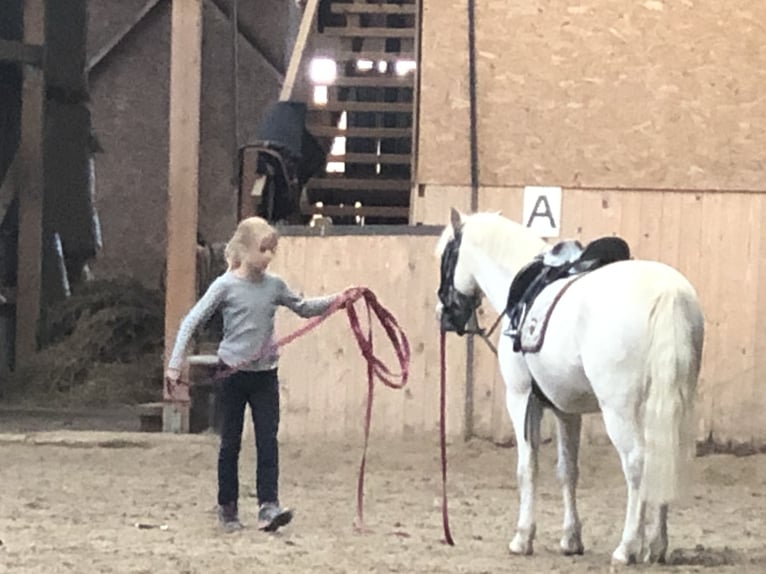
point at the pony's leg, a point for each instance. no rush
(658, 536)
(624, 432)
(526, 471)
(568, 472)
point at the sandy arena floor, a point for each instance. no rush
(70, 502)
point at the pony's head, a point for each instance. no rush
(467, 242)
(458, 294)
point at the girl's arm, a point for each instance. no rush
(198, 315)
(310, 307)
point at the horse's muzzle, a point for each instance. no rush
(456, 318)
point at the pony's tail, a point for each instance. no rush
(673, 364)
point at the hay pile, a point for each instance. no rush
(102, 346)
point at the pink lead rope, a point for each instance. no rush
(443, 433)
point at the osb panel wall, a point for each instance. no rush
(443, 118)
(431, 204)
(324, 384)
(602, 94)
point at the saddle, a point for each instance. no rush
(565, 259)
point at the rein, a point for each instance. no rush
(375, 369)
(483, 334)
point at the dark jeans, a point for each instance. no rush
(261, 391)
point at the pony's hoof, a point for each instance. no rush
(658, 547)
(621, 557)
(656, 554)
(521, 545)
(572, 546)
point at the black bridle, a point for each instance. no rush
(457, 308)
(459, 311)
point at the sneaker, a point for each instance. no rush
(229, 518)
(271, 517)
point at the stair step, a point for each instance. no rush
(330, 131)
(359, 183)
(346, 56)
(405, 81)
(384, 158)
(399, 212)
(353, 106)
(359, 8)
(370, 32)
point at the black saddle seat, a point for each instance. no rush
(565, 259)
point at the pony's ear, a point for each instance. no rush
(456, 219)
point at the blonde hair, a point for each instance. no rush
(250, 231)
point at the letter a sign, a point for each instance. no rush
(542, 210)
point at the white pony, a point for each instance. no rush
(625, 339)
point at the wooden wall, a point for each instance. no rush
(594, 93)
(323, 375)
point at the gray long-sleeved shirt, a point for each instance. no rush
(248, 309)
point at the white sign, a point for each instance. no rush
(542, 210)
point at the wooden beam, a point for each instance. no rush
(121, 34)
(376, 183)
(383, 158)
(330, 131)
(299, 55)
(21, 53)
(347, 56)
(353, 106)
(371, 32)
(406, 81)
(416, 92)
(183, 181)
(29, 173)
(66, 146)
(358, 8)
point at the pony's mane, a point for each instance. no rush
(506, 242)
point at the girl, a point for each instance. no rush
(248, 297)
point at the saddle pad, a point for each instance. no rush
(535, 323)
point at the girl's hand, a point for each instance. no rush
(171, 380)
(351, 291)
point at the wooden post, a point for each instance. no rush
(185, 77)
(293, 84)
(29, 175)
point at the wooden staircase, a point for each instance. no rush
(369, 109)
